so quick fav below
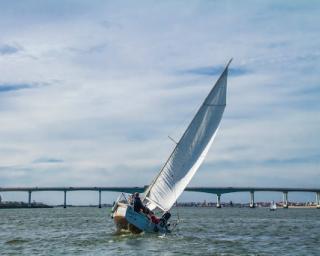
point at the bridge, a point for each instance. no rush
(212, 190)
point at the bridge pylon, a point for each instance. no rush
(285, 200)
(29, 198)
(65, 199)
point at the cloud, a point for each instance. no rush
(272, 162)
(8, 49)
(213, 71)
(47, 160)
(128, 75)
(15, 87)
(313, 159)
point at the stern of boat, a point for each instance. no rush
(119, 216)
(119, 213)
(127, 219)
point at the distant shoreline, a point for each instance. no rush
(22, 205)
(302, 207)
(18, 205)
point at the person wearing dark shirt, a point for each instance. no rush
(137, 204)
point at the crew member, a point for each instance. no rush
(138, 205)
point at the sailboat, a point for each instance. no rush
(273, 206)
(178, 170)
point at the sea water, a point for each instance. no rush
(201, 231)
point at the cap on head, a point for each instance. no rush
(136, 194)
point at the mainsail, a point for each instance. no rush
(190, 151)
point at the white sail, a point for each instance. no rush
(190, 151)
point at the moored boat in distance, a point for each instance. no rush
(273, 206)
(177, 172)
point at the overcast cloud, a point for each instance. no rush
(89, 90)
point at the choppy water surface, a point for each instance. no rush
(202, 231)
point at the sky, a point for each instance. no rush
(90, 91)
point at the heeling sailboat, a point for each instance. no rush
(180, 167)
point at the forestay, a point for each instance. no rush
(190, 151)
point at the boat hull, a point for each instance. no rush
(127, 219)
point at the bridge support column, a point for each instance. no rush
(99, 198)
(218, 201)
(285, 200)
(252, 205)
(29, 198)
(318, 200)
(65, 199)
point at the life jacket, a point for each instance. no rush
(154, 219)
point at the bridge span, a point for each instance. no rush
(212, 190)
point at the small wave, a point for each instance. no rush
(16, 241)
(122, 232)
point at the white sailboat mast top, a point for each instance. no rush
(190, 151)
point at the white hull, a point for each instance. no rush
(126, 218)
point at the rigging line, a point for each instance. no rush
(178, 127)
(175, 195)
(177, 209)
(203, 104)
(172, 140)
(175, 148)
(178, 215)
